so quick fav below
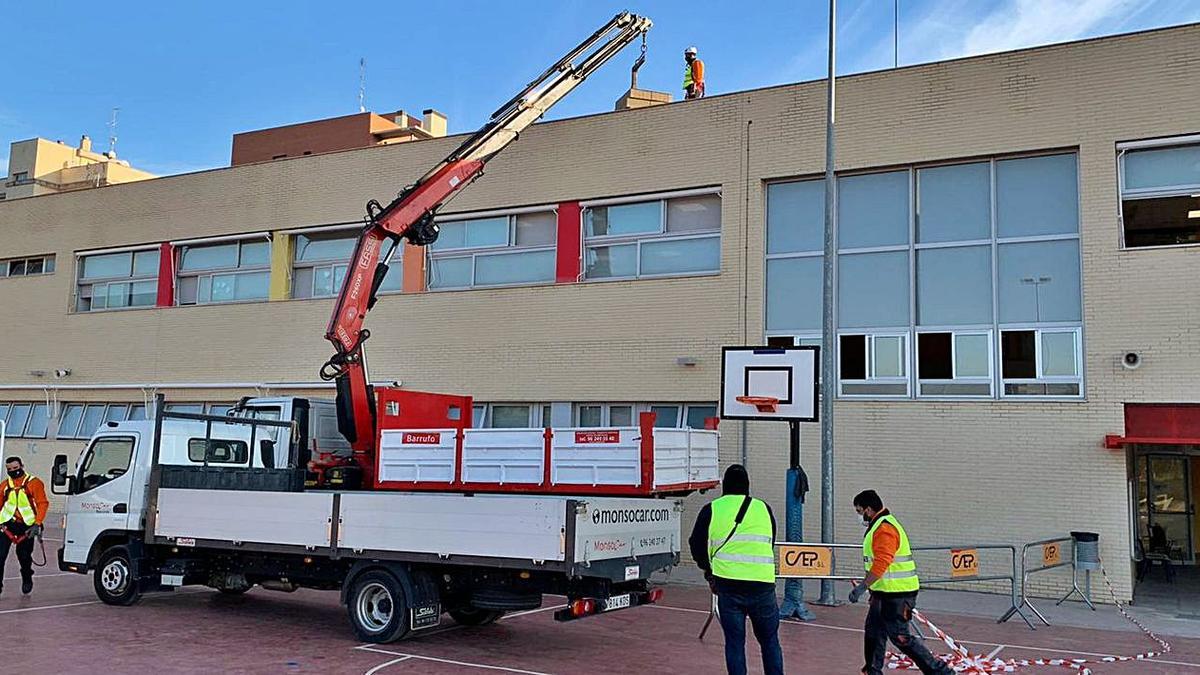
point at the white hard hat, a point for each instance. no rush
(690, 50)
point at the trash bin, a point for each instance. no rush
(1087, 550)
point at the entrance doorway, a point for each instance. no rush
(1167, 487)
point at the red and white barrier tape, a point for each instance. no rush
(962, 661)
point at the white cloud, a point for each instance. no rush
(1024, 23)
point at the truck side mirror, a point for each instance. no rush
(59, 476)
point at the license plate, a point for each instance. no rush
(616, 602)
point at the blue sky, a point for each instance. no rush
(187, 76)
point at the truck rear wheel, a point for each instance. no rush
(474, 616)
(114, 578)
(378, 608)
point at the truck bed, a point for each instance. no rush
(568, 533)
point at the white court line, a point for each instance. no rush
(1055, 650)
(47, 576)
(482, 666)
(385, 664)
(39, 608)
(992, 654)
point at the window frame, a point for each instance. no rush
(47, 260)
(637, 239)
(180, 248)
(1040, 378)
(1123, 194)
(338, 231)
(955, 333)
(6, 411)
(128, 416)
(994, 241)
(475, 252)
(106, 281)
(636, 409)
(870, 355)
(537, 411)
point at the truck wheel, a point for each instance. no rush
(113, 579)
(377, 606)
(474, 616)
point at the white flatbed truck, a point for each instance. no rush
(219, 501)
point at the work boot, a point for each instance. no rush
(26, 586)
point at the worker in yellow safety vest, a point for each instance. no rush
(892, 579)
(733, 542)
(23, 507)
(693, 74)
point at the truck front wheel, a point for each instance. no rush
(378, 608)
(114, 579)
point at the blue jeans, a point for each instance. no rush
(760, 607)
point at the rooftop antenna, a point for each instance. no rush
(362, 84)
(112, 133)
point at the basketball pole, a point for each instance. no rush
(793, 589)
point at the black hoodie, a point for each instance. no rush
(735, 482)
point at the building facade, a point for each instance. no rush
(348, 132)
(1009, 230)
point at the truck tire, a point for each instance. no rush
(114, 579)
(378, 607)
(474, 616)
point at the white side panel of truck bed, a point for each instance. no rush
(624, 528)
(498, 526)
(296, 518)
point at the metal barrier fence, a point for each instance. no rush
(804, 560)
(1051, 558)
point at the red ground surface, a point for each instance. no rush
(62, 628)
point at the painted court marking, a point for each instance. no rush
(385, 664)
(434, 659)
(847, 629)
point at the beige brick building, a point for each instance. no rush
(990, 430)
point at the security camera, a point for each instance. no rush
(1131, 360)
(61, 373)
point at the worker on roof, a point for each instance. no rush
(733, 543)
(23, 508)
(693, 74)
(892, 579)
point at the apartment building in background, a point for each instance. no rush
(1011, 227)
(42, 167)
(348, 132)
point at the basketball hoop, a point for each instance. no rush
(765, 404)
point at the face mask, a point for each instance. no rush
(863, 517)
(16, 473)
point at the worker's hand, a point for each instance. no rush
(857, 592)
(34, 532)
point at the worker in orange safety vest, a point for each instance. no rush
(693, 74)
(23, 507)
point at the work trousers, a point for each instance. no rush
(735, 606)
(24, 550)
(888, 619)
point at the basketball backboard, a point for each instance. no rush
(788, 374)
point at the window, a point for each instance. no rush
(667, 415)
(117, 280)
(1160, 192)
(502, 250)
(24, 420)
(81, 420)
(219, 451)
(322, 258)
(27, 267)
(663, 237)
(1044, 362)
(954, 364)
(511, 415)
(19, 177)
(107, 459)
(234, 271)
(934, 264)
(873, 365)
